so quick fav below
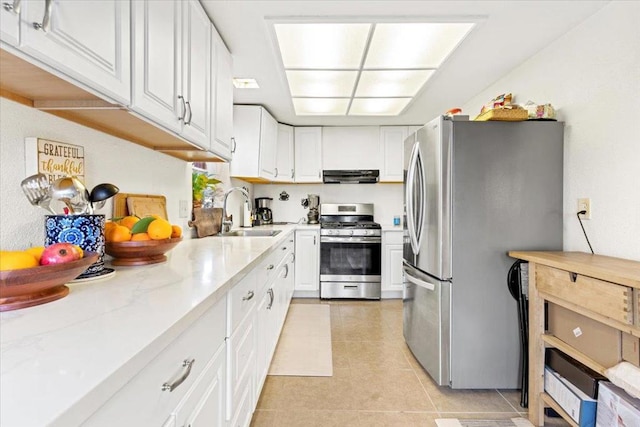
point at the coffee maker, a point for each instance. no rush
(313, 203)
(263, 211)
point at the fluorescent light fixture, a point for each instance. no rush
(322, 46)
(413, 45)
(378, 106)
(245, 83)
(392, 82)
(363, 69)
(321, 83)
(321, 106)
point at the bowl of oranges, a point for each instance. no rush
(38, 275)
(135, 241)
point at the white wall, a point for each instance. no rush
(387, 198)
(132, 168)
(592, 77)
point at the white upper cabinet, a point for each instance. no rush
(10, 22)
(285, 161)
(221, 97)
(157, 65)
(350, 147)
(391, 153)
(308, 154)
(172, 67)
(196, 72)
(86, 40)
(255, 133)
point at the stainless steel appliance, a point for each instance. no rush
(263, 211)
(350, 251)
(359, 176)
(312, 202)
(473, 191)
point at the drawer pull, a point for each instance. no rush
(248, 296)
(284, 248)
(270, 267)
(573, 276)
(172, 386)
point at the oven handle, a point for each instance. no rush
(356, 239)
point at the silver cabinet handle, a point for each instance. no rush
(286, 271)
(12, 7)
(319, 174)
(170, 386)
(248, 296)
(314, 240)
(270, 267)
(292, 174)
(184, 108)
(188, 122)
(46, 19)
(284, 248)
(233, 141)
(271, 298)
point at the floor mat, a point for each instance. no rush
(304, 348)
(455, 422)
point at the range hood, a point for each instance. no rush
(369, 176)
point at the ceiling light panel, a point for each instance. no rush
(322, 45)
(320, 106)
(397, 83)
(378, 106)
(413, 45)
(323, 84)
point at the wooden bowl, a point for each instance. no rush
(34, 286)
(140, 252)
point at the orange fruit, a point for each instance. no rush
(129, 221)
(159, 229)
(36, 251)
(138, 237)
(78, 250)
(176, 231)
(108, 226)
(119, 233)
(16, 260)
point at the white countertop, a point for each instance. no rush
(60, 361)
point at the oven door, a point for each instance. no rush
(350, 259)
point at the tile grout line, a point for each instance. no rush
(512, 407)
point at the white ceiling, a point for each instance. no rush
(507, 34)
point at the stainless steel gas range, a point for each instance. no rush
(350, 251)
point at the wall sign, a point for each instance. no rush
(54, 159)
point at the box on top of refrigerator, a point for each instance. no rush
(616, 407)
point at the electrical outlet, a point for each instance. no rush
(585, 205)
(183, 210)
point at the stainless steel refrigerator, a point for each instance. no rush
(474, 191)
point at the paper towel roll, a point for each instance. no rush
(247, 216)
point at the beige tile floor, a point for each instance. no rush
(376, 380)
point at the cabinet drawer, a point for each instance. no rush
(605, 298)
(142, 401)
(393, 237)
(242, 299)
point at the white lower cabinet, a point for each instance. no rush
(153, 396)
(307, 277)
(392, 264)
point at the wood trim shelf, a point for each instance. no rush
(554, 405)
(555, 342)
(30, 85)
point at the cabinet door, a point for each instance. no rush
(285, 161)
(307, 276)
(350, 147)
(391, 153)
(241, 360)
(308, 154)
(246, 133)
(263, 338)
(268, 146)
(10, 22)
(86, 40)
(196, 71)
(157, 66)
(393, 268)
(221, 97)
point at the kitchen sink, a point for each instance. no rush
(251, 233)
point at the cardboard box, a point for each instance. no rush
(581, 376)
(600, 342)
(580, 407)
(616, 407)
(631, 349)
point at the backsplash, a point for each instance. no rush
(387, 198)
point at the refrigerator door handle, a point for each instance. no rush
(418, 282)
(411, 220)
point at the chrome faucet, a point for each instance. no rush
(227, 221)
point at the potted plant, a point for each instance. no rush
(201, 183)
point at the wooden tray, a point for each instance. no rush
(207, 221)
(140, 205)
(503, 114)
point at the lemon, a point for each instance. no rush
(36, 251)
(16, 260)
